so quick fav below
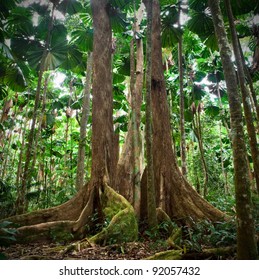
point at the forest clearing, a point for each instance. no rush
(129, 129)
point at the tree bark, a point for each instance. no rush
(246, 245)
(173, 193)
(245, 93)
(129, 168)
(83, 123)
(102, 124)
(182, 120)
(151, 194)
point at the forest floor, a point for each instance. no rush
(127, 251)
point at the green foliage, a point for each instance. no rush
(60, 236)
(6, 199)
(7, 234)
(206, 234)
(226, 203)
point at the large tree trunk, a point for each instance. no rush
(246, 245)
(151, 195)
(72, 219)
(102, 135)
(173, 193)
(130, 167)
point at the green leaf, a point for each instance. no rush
(70, 7)
(117, 78)
(119, 22)
(212, 111)
(57, 154)
(188, 116)
(198, 93)
(50, 119)
(197, 5)
(5, 224)
(199, 76)
(74, 60)
(121, 119)
(14, 78)
(57, 105)
(20, 22)
(201, 24)
(83, 39)
(77, 104)
(3, 92)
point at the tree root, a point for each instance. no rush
(167, 255)
(118, 213)
(212, 253)
(69, 210)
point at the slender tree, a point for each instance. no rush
(245, 93)
(83, 123)
(246, 245)
(21, 199)
(181, 86)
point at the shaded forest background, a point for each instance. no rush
(94, 100)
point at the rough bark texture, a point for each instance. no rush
(245, 94)
(151, 193)
(130, 167)
(69, 210)
(246, 245)
(173, 192)
(102, 126)
(70, 220)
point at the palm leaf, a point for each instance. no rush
(83, 39)
(170, 32)
(198, 5)
(74, 60)
(14, 78)
(6, 7)
(118, 20)
(20, 22)
(241, 7)
(5, 51)
(70, 7)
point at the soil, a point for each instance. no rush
(39, 251)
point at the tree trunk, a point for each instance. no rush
(151, 194)
(198, 132)
(129, 168)
(83, 123)
(182, 120)
(246, 245)
(102, 125)
(73, 219)
(173, 193)
(245, 94)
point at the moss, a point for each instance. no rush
(61, 235)
(123, 225)
(167, 255)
